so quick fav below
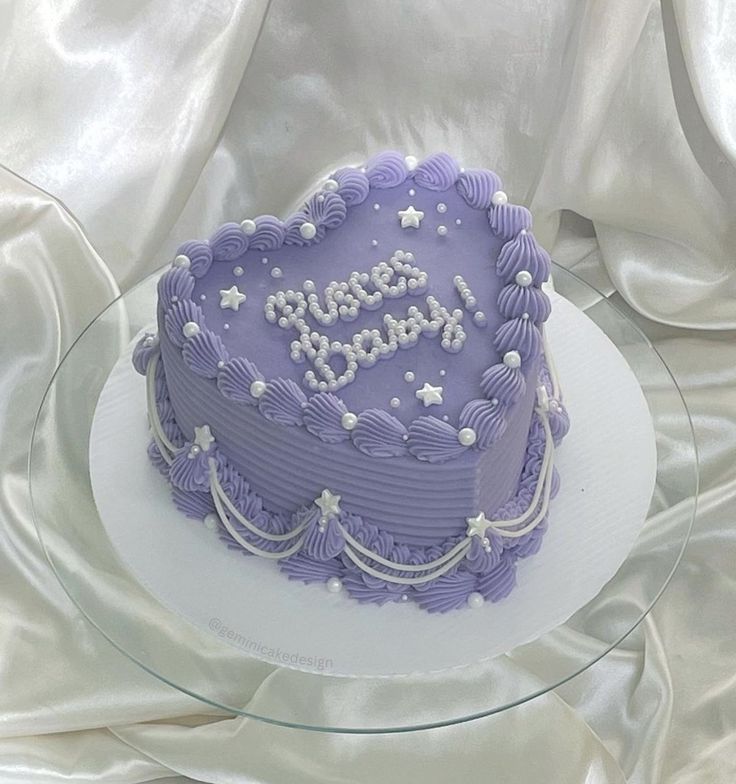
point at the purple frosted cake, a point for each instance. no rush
(363, 393)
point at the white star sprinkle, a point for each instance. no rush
(203, 437)
(477, 525)
(329, 503)
(429, 395)
(410, 218)
(231, 298)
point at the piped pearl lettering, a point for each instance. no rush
(344, 301)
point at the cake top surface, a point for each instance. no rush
(402, 295)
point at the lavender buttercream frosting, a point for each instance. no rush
(323, 417)
(386, 170)
(378, 434)
(268, 233)
(477, 187)
(235, 380)
(379, 407)
(437, 172)
(352, 185)
(228, 242)
(199, 255)
(205, 353)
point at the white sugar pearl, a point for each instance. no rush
(257, 388)
(249, 227)
(458, 222)
(182, 261)
(412, 192)
(466, 436)
(523, 278)
(498, 198)
(395, 402)
(238, 271)
(512, 359)
(374, 243)
(276, 272)
(441, 207)
(330, 185)
(443, 372)
(334, 584)
(475, 600)
(307, 230)
(411, 162)
(409, 376)
(190, 329)
(210, 521)
(349, 420)
(376, 206)
(442, 230)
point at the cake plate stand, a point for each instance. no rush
(240, 670)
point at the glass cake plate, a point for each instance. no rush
(133, 586)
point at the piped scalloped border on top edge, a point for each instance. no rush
(522, 265)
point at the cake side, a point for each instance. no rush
(324, 543)
(415, 501)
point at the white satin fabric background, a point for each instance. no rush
(154, 121)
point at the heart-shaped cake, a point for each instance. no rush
(363, 392)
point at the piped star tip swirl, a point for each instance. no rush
(386, 170)
(352, 185)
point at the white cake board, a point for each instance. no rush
(607, 465)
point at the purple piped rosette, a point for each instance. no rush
(522, 265)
